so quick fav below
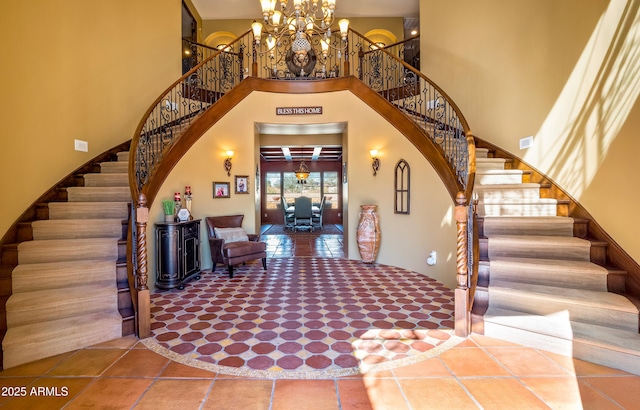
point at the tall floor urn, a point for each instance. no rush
(368, 235)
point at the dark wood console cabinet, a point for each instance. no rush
(177, 253)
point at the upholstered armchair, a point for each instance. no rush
(231, 245)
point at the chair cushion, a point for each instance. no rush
(240, 249)
(231, 234)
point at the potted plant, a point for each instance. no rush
(169, 208)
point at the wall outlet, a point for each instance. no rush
(80, 145)
(526, 142)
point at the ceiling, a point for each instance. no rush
(250, 9)
(302, 148)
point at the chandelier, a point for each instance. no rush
(302, 173)
(300, 20)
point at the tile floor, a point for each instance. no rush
(478, 373)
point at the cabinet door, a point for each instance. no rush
(191, 255)
(168, 255)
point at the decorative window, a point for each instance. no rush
(402, 186)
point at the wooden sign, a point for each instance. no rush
(298, 110)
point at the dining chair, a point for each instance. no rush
(302, 215)
(288, 216)
(316, 218)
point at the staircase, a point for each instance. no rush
(69, 283)
(546, 284)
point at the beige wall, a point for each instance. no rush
(76, 69)
(360, 24)
(562, 71)
(406, 240)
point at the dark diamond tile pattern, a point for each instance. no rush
(304, 314)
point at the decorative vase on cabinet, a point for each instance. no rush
(368, 235)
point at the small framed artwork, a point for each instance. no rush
(221, 190)
(242, 184)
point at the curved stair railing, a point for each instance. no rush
(405, 88)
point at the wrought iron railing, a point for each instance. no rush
(382, 69)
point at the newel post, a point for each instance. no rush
(144, 305)
(462, 313)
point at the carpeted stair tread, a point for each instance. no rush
(118, 167)
(527, 225)
(60, 250)
(490, 163)
(53, 304)
(106, 180)
(500, 193)
(51, 275)
(27, 343)
(498, 176)
(552, 272)
(601, 308)
(99, 194)
(545, 247)
(89, 210)
(76, 229)
(518, 207)
(557, 333)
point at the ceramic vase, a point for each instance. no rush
(368, 234)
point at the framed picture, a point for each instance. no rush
(221, 190)
(242, 184)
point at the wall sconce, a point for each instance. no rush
(227, 162)
(375, 164)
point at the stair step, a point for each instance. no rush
(490, 163)
(537, 207)
(123, 156)
(89, 210)
(498, 176)
(544, 247)
(507, 192)
(77, 228)
(106, 180)
(558, 334)
(41, 276)
(557, 273)
(598, 308)
(117, 167)
(60, 250)
(28, 343)
(98, 194)
(526, 225)
(53, 304)
(482, 152)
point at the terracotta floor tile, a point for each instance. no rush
(175, 394)
(305, 395)
(239, 394)
(624, 390)
(502, 393)
(121, 343)
(111, 393)
(138, 362)
(436, 393)
(48, 393)
(524, 361)
(16, 387)
(39, 367)
(89, 362)
(471, 361)
(580, 367)
(482, 340)
(177, 370)
(427, 368)
(353, 395)
(385, 394)
(566, 393)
